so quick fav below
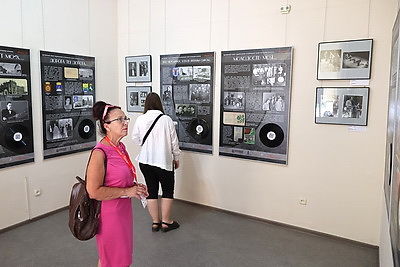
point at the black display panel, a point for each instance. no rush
(255, 104)
(187, 89)
(16, 131)
(68, 95)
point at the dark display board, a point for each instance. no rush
(187, 89)
(68, 95)
(255, 102)
(16, 131)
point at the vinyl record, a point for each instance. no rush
(198, 129)
(17, 137)
(86, 129)
(271, 135)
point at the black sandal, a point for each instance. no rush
(157, 228)
(171, 226)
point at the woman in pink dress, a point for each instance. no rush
(114, 185)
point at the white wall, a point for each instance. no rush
(84, 27)
(339, 171)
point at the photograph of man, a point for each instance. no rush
(8, 113)
(143, 68)
(132, 69)
(134, 99)
(352, 106)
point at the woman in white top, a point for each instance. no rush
(158, 158)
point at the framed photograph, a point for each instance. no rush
(344, 60)
(135, 97)
(138, 69)
(342, 105)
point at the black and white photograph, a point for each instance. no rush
(273, 102)
(58, 129)
(329, 105)
(14, 69)
(234, 100)
(85, 74)
(68, 102)
(342, 105)
(329, 60)
(183, 73)
(201, 73)
(135, 97)
(199, 93)
(138, 68)
(344, 60)
(82, 101)
(166, 93)
(269, 74)
(13, 111)
(356, 60)
(143, 69)
(352, 106)
(186, 110)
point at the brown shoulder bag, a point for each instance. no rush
(84, 212)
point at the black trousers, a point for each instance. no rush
(155, 176)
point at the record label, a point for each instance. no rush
(199, 129)
(271, 135)
(17, 136)
(86, 129)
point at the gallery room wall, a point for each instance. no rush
(72, 27)
(338, 169)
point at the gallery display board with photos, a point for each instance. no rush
(255, 102)
(187, 89)
(16, 131)
(68, 95)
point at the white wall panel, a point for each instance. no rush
(187, 26)
(10, 19)
(66, 26)
(351, 17)
(139, 25)
(256, 24)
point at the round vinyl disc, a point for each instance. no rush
(271, 135)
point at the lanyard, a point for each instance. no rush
(125, 157)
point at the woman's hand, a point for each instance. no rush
(136, 191)
(144, 187)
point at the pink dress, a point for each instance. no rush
(115, 234)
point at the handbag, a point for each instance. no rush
(84, 212)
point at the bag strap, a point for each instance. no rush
(151, 128)
(105, 162)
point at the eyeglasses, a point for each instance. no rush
(120, 119)
(106, 110)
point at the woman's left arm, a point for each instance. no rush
(176, 152)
